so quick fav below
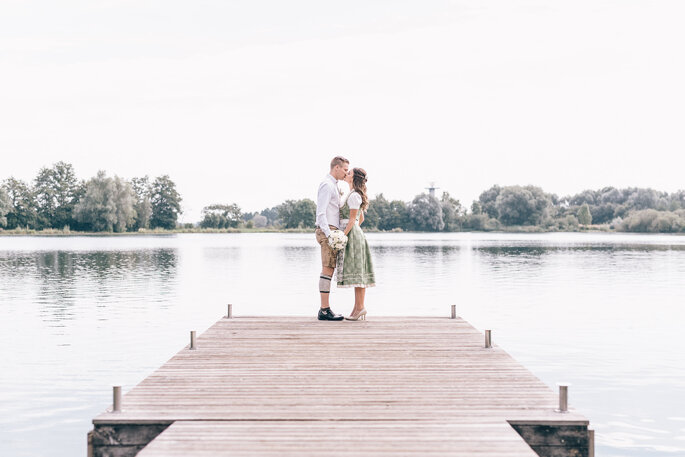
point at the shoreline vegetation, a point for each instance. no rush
(56, 203)
(604, 228)
(197, 230)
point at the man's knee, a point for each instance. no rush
(328, 271)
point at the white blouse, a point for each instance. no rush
(354, 201)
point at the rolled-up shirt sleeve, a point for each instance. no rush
(322, 200)
(354, 201)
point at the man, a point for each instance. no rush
(327, 219)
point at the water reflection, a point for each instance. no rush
(528, 249)
(432, 251)
(103, 264)
(513, 251)
(420, 250)
(64, 279)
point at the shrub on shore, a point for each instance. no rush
(654, 221)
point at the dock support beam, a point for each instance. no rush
(488, 338)
(122, 440)
(229, 313)
(454, 312)
(555, 440)
(193, 345)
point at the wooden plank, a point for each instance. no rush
(271, 385)
(413, 438)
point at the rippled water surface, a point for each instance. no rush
(603, 312)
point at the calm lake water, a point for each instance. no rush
(603, 312)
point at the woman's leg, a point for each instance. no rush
(359, 293)
(358, 302)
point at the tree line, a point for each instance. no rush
(630, 209)
(498, 208)
(56, 199)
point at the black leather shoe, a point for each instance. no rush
(325, 314)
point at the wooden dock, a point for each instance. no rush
(294, 386)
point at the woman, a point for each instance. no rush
(354, 265)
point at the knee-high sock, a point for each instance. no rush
(324, 284)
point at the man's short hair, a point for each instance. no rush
(338, 160)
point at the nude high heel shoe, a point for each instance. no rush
(361, 315)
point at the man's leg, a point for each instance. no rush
(328, 258)
(325, 286)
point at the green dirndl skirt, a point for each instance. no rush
(354, 267)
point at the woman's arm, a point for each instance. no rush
(350, 223)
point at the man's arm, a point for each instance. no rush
(322, 200)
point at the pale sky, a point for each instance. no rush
(247, 101)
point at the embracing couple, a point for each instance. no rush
(346, 253)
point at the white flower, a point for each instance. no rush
(337, 240)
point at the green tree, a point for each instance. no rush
(107, 204)
(371, 217)
(643, 199)
(271, 215)
(297, 213)
(587, 196)
(379, 211)
(45, 197)
(389, 215)
(569, 223)
(23, 205)
(247, 217)
(57, 191)
(488, 201)
(165, 202)
(602, 213)
(221, 216)
(451, 212)
(584, 216)
(481, 222)
(516, 205)
(259, 221)
(5, 206)
(425, 214)
(142, 191)
(398, 216)
(125, 200)
(678, 200)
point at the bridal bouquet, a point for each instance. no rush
(337, 240)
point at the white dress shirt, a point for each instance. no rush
(328, 205)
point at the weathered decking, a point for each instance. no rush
(296, 386)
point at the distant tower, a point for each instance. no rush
(431, 189)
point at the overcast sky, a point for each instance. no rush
(247, 101)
